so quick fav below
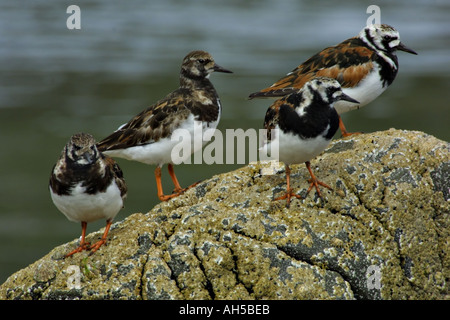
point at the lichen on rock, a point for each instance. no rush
(383, 233)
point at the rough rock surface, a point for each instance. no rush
(382, 234)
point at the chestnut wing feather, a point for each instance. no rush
(348, 62)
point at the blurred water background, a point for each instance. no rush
(55, 82)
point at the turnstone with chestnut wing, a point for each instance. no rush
(364, 66)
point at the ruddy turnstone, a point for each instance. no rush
(364, 66)
(306, 121)
(87, 186)
(147, 137)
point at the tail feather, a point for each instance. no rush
(273, 93)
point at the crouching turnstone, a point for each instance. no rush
(87, 186)
(364, 66)
(147, 137)
(306, 121)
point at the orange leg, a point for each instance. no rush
(102, 241)
(178, 188)
(314, 182)
(161, 194)
(344, 131)
(83, 244)
(289, 194)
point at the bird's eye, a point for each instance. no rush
(201, 60)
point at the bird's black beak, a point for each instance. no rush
(402, 47)
(347, 98)
(90, 158)
(218, 68)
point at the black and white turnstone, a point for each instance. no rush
(305, 122)
(147, 137)
(364, 66)
(87, 186)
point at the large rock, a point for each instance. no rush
(382, 234)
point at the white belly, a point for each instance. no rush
(368, 90)
(88, 208)
(292, 150)
(190, 137)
